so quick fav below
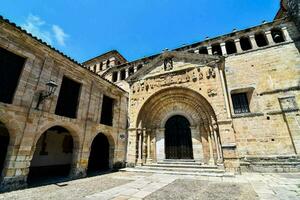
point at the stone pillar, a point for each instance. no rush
(148, 147)
(209, 50)
(223, 48)
(225, 93)
(269, 38)
(253, 42)
(97, 68)
(197, 146)
(127, 72)
(160, 144)
(144, 146)
(238, 45)
(286, 34)
(134, 69)
(217, 142)
(139, 160)
(211, 160)
(132, 147)
(119, 75)
(230, 153)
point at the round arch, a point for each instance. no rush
(54, 152)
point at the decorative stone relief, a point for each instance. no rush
(168, 64)
(288, 103)
(211, 92)
(210, 73)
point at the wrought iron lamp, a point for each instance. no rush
(51, 87)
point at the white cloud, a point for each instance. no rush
(59, 34)
(39, 28)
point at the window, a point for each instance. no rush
(245, 43)
(130, 71)
(139, 66)
(95, 68)
(123, 74)
(107, 111)
(277, 35)
(240, 103)
(203, 50)
(107, 64)
(261, 40)
(68, 98)
(101, 66)
(11, 66)
(216, 49)
(114, 76)
(230, 47)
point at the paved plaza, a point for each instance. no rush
(134, 186)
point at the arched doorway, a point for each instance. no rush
(4, 141)
(52, 157)
(99, 155)
(178, 139)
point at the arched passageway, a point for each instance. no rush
(52, 158)
(178, 139)
(99, 154)
(4, 142)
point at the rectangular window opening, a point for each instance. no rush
(11, 66)
(107, 111)
(68, 98)
(240, 103)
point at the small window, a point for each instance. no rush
(240, 103)
(11, 66)
(277, 35)
(68, 98)
(261, 40)
(216, 49)
(107, 111)
(130, 71)
(203, 50)
(101, 66)
(114, 76)
(107, 63)
(123, 74)
(139, 66)
(95, 68)
(245, 43)
(230, 47)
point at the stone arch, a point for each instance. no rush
(101, 152)
(68, 129)
(168, 102)
(112, 145)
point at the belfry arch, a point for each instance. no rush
(190, 105)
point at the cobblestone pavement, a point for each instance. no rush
(134, 186)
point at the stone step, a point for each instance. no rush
(179, 165)
(177, 172)
(182, 169)
(179, 162)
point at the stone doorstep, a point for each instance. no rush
(185, 165)
(193, 173)
(182, 169)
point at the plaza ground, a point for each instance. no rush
(132, 185)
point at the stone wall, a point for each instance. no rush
(26, 124)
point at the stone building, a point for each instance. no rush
(56, 117)
(230, 102)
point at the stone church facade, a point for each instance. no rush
(231, 102)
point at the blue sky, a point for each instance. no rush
(84, 29)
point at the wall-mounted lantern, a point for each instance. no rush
(51, 87)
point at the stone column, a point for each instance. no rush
(160, 144)
(217, 142)
(211, 160)
(197, 146)
(225, 94)
(97, 68)
(209, 50)
(148, 147)
(238, 45)
(144, 146)
(139, 160)
(119, 75)
(269, 38)
(286, 34)
(223, 48)
(127, 72)
(253, 42)
(134, 69)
